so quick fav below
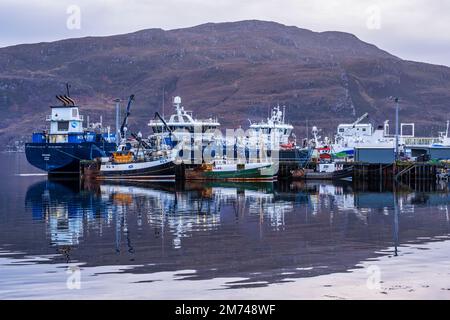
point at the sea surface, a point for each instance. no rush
(63, 239)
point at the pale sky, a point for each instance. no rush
(411, 29)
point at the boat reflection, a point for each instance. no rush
(67, 207)
(261, 231)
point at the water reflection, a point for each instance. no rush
(263, 232)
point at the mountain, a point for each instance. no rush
(235, 71)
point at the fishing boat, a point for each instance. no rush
(60, 149)
(277, 135)
(324, 171)
(233, 171)
(135, 158)
(124, 165)
(184, 133)
(274, 129)
(410, 146)
(132, 161)
(182, 125)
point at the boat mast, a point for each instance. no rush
(446, 131)
(117, 101)
(396, 128)
(164, 93)
(307, 131)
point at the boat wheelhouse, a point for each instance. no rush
(184, 126)
(274, 129)
(59, 149)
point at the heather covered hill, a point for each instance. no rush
(233, 70)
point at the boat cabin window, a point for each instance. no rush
(74, 112)
(341, 129)
(182, 128)
(63, 125)
(206, 128)
(58, 138)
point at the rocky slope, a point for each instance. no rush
(233, 70)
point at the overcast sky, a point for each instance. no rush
(411, 29)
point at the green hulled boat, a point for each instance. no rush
(226, 171)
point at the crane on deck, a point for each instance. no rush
(364, 116)
(124, 126)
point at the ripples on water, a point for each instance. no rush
(263, 233)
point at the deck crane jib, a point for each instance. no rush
(355, 129)
(124, 126)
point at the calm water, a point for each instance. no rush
(247, 235)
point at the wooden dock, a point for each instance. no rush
(408, 173)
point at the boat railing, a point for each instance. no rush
(49, 118)
(421, 141)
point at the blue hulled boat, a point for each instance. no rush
(60, 149)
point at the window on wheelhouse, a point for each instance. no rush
(63, 126)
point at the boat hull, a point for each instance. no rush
(302, 174)
(263, 173)
(64, 158)
(162, 169)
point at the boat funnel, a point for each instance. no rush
(65, 102)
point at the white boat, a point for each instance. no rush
(183, 125)
(274, 130)
(412, 147)
(353, 135)
(357, 134)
